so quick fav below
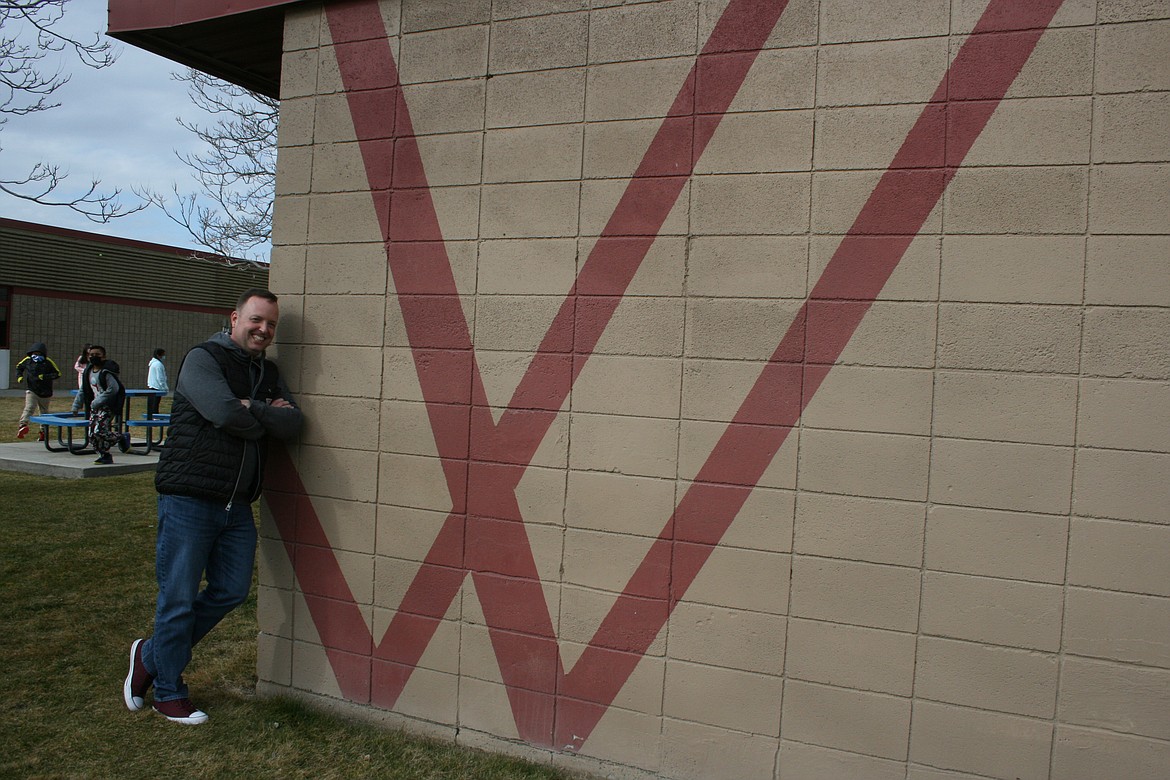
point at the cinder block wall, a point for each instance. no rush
(130, 334)
(730, 389)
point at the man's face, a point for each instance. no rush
(254, 325)
(98, 354)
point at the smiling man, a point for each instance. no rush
(228, 400)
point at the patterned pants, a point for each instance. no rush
(101, 430)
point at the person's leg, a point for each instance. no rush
(100, 435)
(187, 531)
(229, 570)
(30, 408)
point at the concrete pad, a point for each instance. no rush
(31, 457)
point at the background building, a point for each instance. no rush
(721, 388)
(67, 288)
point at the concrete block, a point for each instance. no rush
(1033, 131)
(731, 638)
(1118, 626)
(998, 612)
(692, 751)
(443, 55)
(1129, 128)
(980, 742)
(853, 20)
(855, 74)
(881, 400)
(859, 529)
(547, 153)
(1126, 342)
(1120, 556)
(986, 677)
(810, 762)
(747, 266)
(862, 594)
(532, 210)
(726, 698)
(1025, 408)
(1124, 414)
(526, 266)
(770, 204)
(1013, 269)
(1128, 270)
(747, 143)
(845, 656)
(872, 724)
(1133, 57)
(865, 464)
(997, 475)
(1010, 545)
(537, 98)
(446, 106)
(444, 13)
(1085, 754)
(1001, 337)
(852, 138)
(748, 329)
(642, 32)
(1128, 699)
(642, 386)
(1129, 198)
(1045, 200)
(633, 90)
(539, 43)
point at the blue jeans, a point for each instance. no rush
(196, 537)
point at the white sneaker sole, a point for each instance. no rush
(194, 719)
(133, 703)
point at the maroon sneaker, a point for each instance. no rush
(180, 711)
(138, 680)
(22, 431)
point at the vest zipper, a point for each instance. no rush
(244, 458)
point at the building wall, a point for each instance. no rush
(797, 409)
(130, 333)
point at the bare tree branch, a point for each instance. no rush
(233, 213)
(26, 89)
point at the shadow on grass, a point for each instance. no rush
(77, 585)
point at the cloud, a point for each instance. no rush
(116, 124)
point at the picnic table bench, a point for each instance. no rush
(159, 422)
(65, 423)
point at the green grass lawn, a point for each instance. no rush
(77, 585)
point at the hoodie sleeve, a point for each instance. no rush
(283, 423)
(203, 384)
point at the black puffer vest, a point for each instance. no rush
(200, 460)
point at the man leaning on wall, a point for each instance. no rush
(228, 401)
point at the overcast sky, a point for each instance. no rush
(116, 124)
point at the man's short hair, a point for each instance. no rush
(160, 352)
(255, 292)
(92, 347)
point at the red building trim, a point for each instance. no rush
(132, 15)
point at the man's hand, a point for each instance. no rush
(247, 402)
(280, 403)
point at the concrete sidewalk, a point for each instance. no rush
(31, 457)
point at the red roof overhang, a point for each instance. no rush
(237, 40)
